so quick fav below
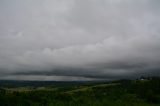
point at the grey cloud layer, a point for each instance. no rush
(88, 39)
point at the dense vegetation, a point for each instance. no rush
(144, 92)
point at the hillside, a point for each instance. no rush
(144, 92)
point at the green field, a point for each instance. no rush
(116, 93)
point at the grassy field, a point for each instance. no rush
(118, 93)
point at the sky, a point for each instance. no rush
(72, 40)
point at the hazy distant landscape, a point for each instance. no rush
(140, 92)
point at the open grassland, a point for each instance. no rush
(117, 93)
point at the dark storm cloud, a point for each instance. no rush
(79, 39)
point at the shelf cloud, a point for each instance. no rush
(79, 39)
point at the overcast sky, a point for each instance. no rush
(79, 39)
